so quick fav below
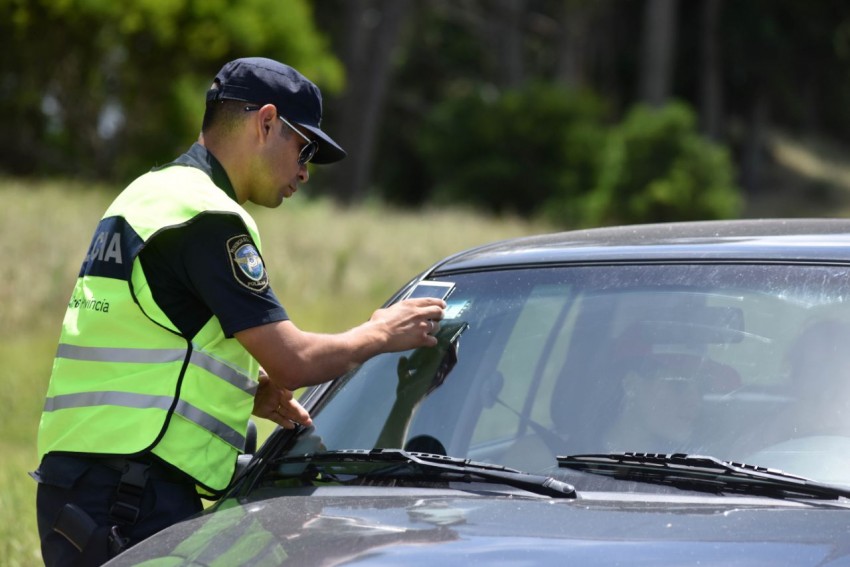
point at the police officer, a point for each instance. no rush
(173, 336)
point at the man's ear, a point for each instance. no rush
(266, 118)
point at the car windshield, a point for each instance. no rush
(746, 363)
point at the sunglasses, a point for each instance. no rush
(308, 151)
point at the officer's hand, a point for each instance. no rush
(278, 405)
(411, 323)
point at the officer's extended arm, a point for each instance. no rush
(294, 358)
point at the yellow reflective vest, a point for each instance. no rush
(125, 381)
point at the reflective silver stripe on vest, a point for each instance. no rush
(159, 355)
(223, 371)
(142, 401)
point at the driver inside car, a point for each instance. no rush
(659, 405)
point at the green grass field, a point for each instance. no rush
(330, 267)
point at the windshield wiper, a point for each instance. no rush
(396, 463)
(698, 472)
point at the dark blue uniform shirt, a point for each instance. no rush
(189, 268)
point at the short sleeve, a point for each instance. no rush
(210, 267)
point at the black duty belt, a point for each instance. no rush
(98, 543)
(156, 468)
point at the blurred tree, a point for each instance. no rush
(117, 86)
(576, 20)
(710, 87)
(509, 45)
(453, 52)
(785, 65)
(657, 168)
(369, 38)
(658, 49)
(513, 160)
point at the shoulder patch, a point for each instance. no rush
(246, 263)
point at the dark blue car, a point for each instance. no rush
(674, 394)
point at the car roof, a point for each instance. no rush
(761, 240)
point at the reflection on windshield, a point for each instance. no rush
(419, 374)
(744, 363)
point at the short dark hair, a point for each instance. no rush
(222, 115)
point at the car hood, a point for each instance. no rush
(403, 526)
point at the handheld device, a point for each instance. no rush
(439, 290)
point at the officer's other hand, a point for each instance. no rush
(278, 405)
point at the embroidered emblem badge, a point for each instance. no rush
(248, 268)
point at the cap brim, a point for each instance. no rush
(329, 151)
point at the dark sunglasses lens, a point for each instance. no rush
(307, 152)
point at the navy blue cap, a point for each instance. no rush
(265, 81)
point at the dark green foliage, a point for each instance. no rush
(656, 168)
(513, 151)
(68, 62)
(782, 64)
(545, 150)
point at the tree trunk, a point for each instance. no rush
(754, 145)
(374, 29)
(573, 45)
(711, 98)
(508, 42)
(659, 39)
